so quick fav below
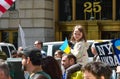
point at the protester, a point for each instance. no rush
(51, 66)
(39, 44)
(118, 69)
(4, 70)
(79, 50)
(58, 54)
(20, 54)
(31, 61)
(97, 70)
(14, 54)
(20, 51)
(20, 48)
(94, 52)
(118, 72)
(69, 60)
(96, 58)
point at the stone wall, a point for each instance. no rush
(36, 18)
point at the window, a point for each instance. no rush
(93, 9)
(110, 34)
(65, 10)
(87, 10)
(5, 49)
(117, 9)
(15, 38)
(5, 37)
(9, 36)
(80, 10)
(106, 11)
(11, 48)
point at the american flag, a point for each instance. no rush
(5, 5)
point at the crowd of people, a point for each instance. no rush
(37, 65)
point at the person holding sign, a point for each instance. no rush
(103, 52)
(94, 52)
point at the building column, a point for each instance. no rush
(93, 30)
(73, 10)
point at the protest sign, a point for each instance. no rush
(107, 53)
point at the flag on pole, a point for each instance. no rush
(5, 5)
(22, 36)
(65, 47)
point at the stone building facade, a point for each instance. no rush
(53, 20)
(35, 17)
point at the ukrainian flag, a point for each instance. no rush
(65, 47)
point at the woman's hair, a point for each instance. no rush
(51, 67)
(98, 69)
(81, 29)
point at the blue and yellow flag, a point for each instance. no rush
(65, 47)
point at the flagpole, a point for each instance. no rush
(21, 40)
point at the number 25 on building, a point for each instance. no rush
(92, 8)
